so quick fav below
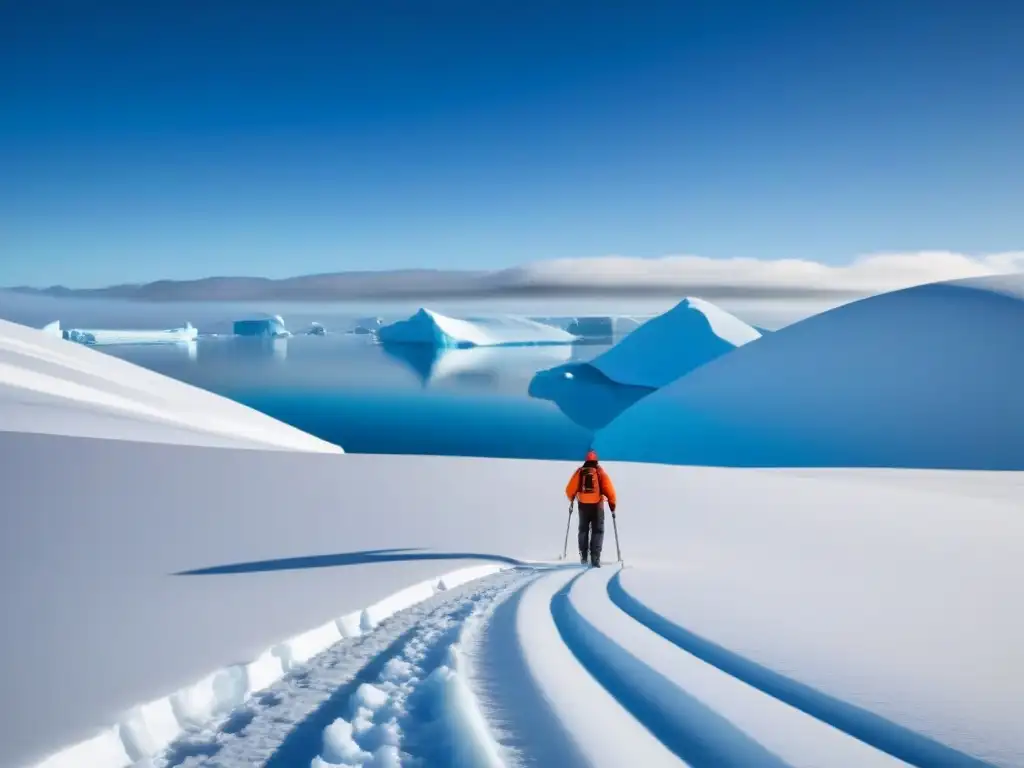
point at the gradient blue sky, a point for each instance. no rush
(174, 139)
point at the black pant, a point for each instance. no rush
(591, 530)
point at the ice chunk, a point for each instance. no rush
(927, 377)
(689, 335)
(261, 326)
(100, 337)
(432, 328)
(316, 329)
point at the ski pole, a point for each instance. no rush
(615, 526)
(568, 522)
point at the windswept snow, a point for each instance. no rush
(432, 328)
(93, 336)
(925, 377)
(692, 333)
(886, 591)
(53, 386)
(262, 326)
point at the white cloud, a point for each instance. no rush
(868, 274)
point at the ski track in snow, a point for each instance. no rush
(545, 665)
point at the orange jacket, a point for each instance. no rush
(606, 488)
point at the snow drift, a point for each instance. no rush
(261, 326)
(929, 376)
(883, 589)
(433, 328)
(100, 337)
(50, 385)
(671, 345)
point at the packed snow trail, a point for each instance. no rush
(395, 683)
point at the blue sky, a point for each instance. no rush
(167, 139)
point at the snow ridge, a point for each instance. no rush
(149, 729)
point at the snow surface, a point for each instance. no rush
(692, 333)
(93, 336)
(49, 385)
(925, 377)
(885, 590)
(433, 328)
(262, 326)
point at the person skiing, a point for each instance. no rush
(590, 485)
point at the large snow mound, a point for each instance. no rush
(99, 337)
(928, 376)
(692, 333)
(429, 327)
(261, 326)
(53, 386)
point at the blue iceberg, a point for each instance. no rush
(437, 330)
(261, 326)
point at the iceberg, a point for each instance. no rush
(435, 329)
(96, 337)
(671, 345)
(316, 329)
(489, 366)
(926, 377)
(261, 326)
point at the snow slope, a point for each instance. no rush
(925, 377)
(883, 591)
(689, 335)
(433, 328)
(50, 385)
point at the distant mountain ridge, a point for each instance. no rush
(427, 284)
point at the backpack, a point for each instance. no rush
(590, 486)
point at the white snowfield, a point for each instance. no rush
(242, 608)
(102, 337)
(50, 385)
(927, 377)
(692, 333)
(429, 327)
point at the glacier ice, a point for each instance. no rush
(671, 345)
(435, 329)
(926, 377)
(261, 326)
(53, 329)
(97, 337)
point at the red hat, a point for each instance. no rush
(591, 456)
